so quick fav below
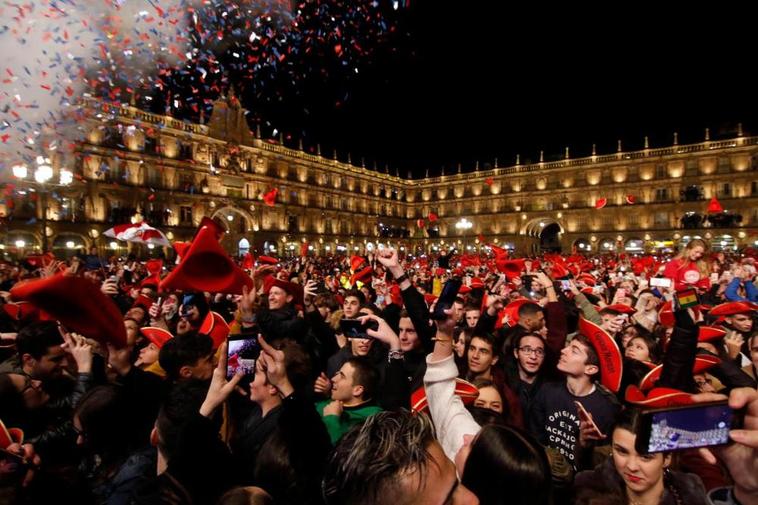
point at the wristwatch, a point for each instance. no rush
(402, 278)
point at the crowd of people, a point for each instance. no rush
(528, 385)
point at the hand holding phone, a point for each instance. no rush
(355, 328)
(588, 430)
(686, 427)
(446, 299)
(242, 352)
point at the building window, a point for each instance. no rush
(724, 163)
(661, 219)
(661, 194)
(726, 189)
(754, 188)
(660, 172)
(185, 215)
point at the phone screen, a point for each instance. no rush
(446, 298)
(242, 353)
(565, 285)
(686, 428)
(353, 328)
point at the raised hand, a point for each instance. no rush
(80, 349)
(220, 387)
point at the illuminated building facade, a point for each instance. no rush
(135, 165)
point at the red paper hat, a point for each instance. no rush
(154, 268)
(439, 272)
(207, 267)
(511, 310)
(78, 304)
(430, 298)
(607, 351)
(356, 262)
(10, 436)
(666, 315)
(218, 229)
(477, 283)
(291, 288)
(587, 291)
(657, 397)
(586, 278)
(732, 308)
(267, 260)
(703, 362)
(511, 268)
(620, 308)
(215, 327)
(714, 206)
(143, 301)
(708, 333)
(464, 290)
(158, 336)
(181, 249)
(363, 275)
(467, 392)
(558, 271)
(40, 260)
(20, 311)
(396, 296)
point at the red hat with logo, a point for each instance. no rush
(607, 351)
(78, 304)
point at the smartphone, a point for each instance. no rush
(660, 282)
(242, 352)
(526, 282)
(686, 427)
(714, 278)
(353, 328)
(585, 416)
(446, 298)
(566, 285)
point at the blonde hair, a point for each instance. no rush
(702, 265)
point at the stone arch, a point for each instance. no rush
(534, 227)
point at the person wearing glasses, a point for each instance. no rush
(525, 369)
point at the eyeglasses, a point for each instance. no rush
(29, 383)
(702, 382)
(537, 351)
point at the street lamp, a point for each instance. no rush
(42, 175)
(463, 225)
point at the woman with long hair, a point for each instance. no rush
(631, 478)
(689, 268)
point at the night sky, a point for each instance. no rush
(479, 80)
